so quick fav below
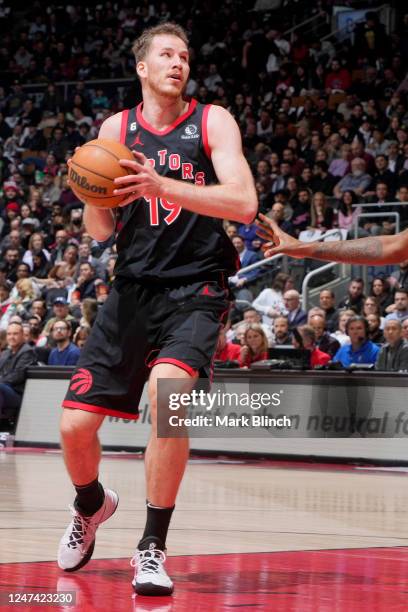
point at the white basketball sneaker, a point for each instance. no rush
(78, 542)
(150, 576)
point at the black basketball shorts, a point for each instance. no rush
(138, 327)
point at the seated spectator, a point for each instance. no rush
(322, 180)
(321, 215)
(399, 278)
(355, 296)
(323, 340)
(22, 296)
(86, 281)
(282, 335)
(5, 302)
(89, 310)
(293, 311)
(327, 301)
(246, 258)
(370, 306)
(357, 180)
(375, 333)
(81, 336)
(340, 332)
(399, 307)
(380, 289)
(338, 78)
(339, 165)
(393, 356)
(66, 352)
(255, 347)
(348, 216)
(14, 362)
(277, 213)
(226, 351)
(382, 175)
(270, 301)
(301, 211)
(305, 338)
(361, 349)
(404, 329)
(249, 233)
(35, 244)
(60, 312)
(231, 230)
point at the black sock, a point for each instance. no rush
(89, 497)
(157, 525)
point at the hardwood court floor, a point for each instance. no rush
(253, 535)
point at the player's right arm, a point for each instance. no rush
(372, 250)
(100, 222)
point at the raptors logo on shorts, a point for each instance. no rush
(81, 382)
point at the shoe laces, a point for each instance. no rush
(149, 561)
(83, 529)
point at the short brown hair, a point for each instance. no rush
(141, 45)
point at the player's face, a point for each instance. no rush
(165, 67)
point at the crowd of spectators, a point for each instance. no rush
(358, 330)
(324, 127)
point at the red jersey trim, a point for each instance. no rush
(204, 130)
(176, 362)
(150, 128)
(99, 410)
(123, 126)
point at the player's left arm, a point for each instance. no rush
(234, 198)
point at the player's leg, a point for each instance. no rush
(93, 504)
(165, 462)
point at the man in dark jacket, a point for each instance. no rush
(393, 357)
(13, 364)
(324, 341)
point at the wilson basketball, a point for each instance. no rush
(93, 168)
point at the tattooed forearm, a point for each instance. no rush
(363, 251)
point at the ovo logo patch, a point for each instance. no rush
(81, 382)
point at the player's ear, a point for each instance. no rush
(141, 69)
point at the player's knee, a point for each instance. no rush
(78, 427)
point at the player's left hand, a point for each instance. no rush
(143, 182)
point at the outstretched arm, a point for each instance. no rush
(372, 250)
(235, 196)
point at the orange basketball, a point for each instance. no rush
(93, 168)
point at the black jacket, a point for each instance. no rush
(13, 366)
(393, 359)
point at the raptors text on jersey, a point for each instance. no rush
(159, 241)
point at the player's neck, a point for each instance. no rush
(161, 112)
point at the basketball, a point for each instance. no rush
(94, 167)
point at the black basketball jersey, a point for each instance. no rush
(158, 240)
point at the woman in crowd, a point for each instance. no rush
(35, 245)
(371, 306)
(340, 333)
(347, 215)
(375, 333)
(81, 336)
(321, 215)
(22, 295)
(381, 290)
(270, 301)
(89, 310)
(255, 346)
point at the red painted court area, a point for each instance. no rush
(374, 579)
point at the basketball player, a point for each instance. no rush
(163, 315)
(375, 250)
